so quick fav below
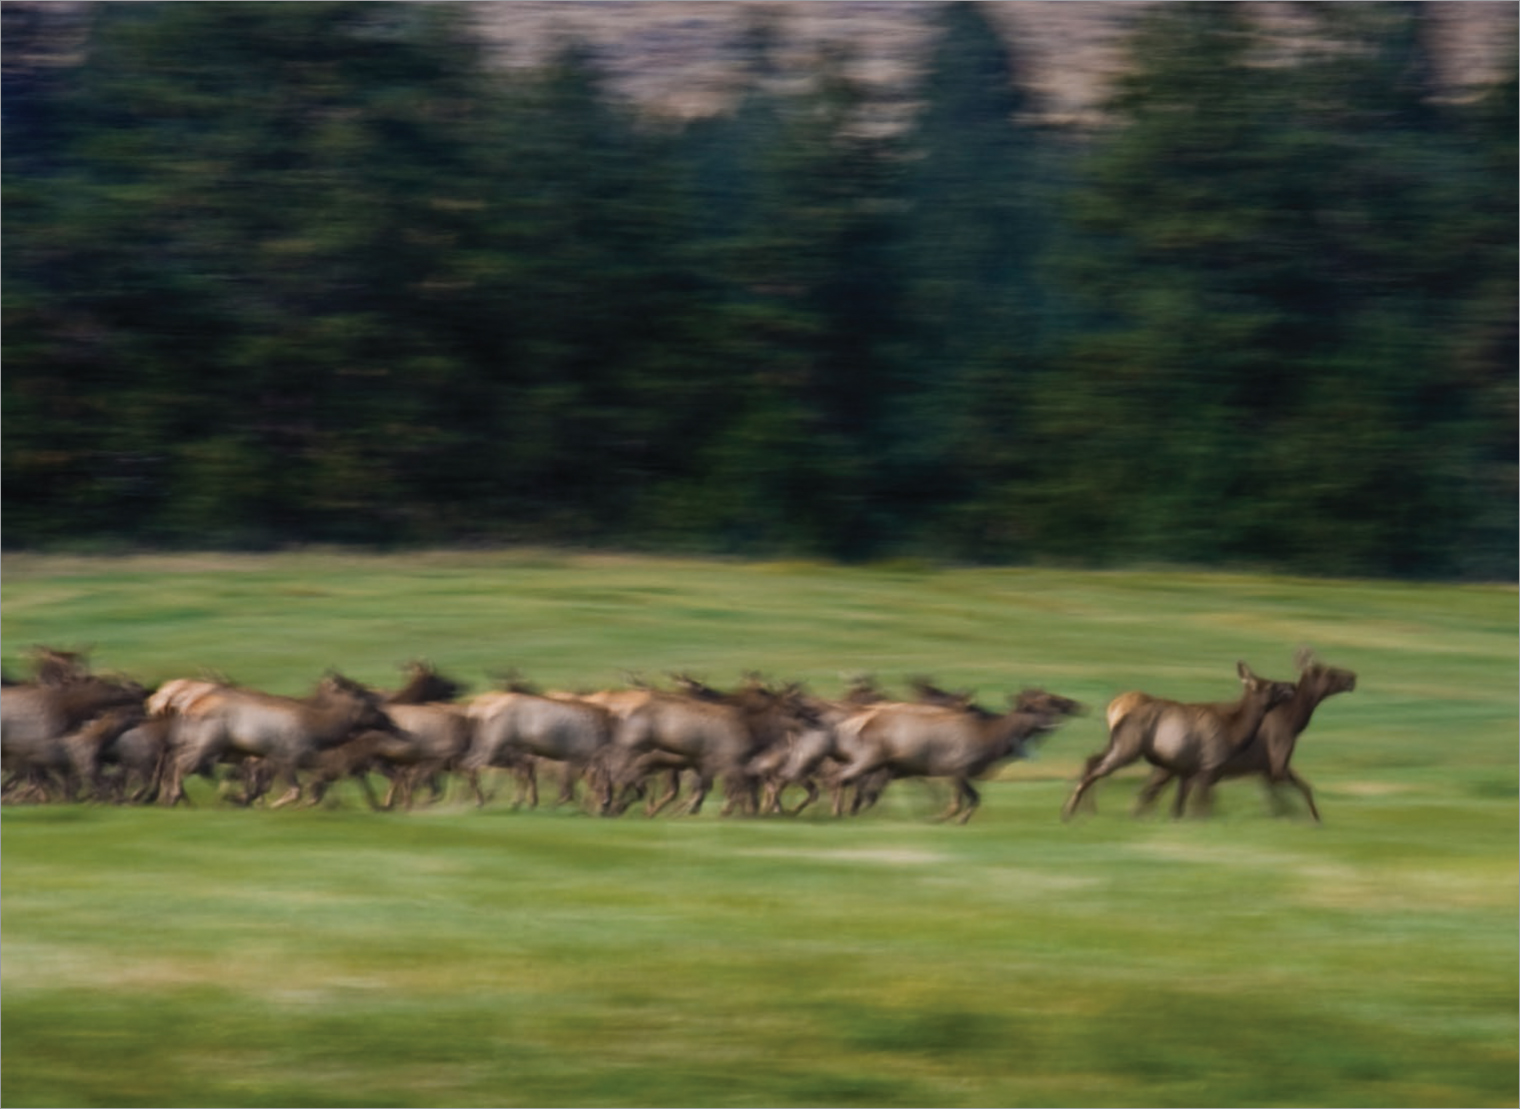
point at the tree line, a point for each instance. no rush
(321, 272)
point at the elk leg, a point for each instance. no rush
(527, 785)
(293, 793)
(869, 791)
(837, 790)
(965, 792)
(256, 778)
(599, 785)
(1125, 744)
(567, 779)
(1206, 779)
(1105, 766)
(1303, 788)
(472, 778)
(770, 797)
(956, 800)
(175, 769)
(672, 791)
(855, 774)
(1087, 767)
(1159, 779)
(811, 786)
(743, 792)
(1179, 804)
(699, 793)
(369, 790)
(173, 791)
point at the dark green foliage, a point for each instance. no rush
(1273, 261)
(281, 272)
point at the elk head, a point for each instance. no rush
(1324, 680)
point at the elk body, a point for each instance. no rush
(808, 755)
(240, 723)
(715, 735)
(132, 765)
(39, 768)
(1272, 749)
(1192, 741)
(514, 728)
(433, 736)
(940, 741)
(33, 712)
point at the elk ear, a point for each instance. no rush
(1303, 658)
(1244, 671)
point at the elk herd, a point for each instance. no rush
(69, 734)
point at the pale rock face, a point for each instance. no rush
(678, 57)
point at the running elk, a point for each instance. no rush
(228, 722)
(1272, 749)
(936, 741)
(1193, 741)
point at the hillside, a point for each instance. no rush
(677, 58)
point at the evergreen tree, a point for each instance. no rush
(972, 271)
(247, 206)
(805, 248)
(1270, 259)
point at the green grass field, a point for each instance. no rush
(450, 956)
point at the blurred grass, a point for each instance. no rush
(454, 956)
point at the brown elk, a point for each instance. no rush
(716, 735)
(1035, 702)
(428, 737)
(434, 735)
(514, 728)
(356, 757)
(241, 723)
(32, 713)
(809, 752)
(1194, 741)
(36, 767)
(937, 741)
(813, 755)
(1269, 753)
(133, 764)
(621, 703)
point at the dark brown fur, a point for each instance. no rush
(1192, 740)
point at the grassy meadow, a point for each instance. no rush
(454, 956)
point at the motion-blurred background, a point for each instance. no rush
(1215, 284)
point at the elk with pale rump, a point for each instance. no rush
(1270, 751)
(434, 735)
(37, 769)
(513, 728)
(36, 717)
(228, 722)
(715, 735)
(132, 765)
(37, 711)
(938, 741)
(1193, 741)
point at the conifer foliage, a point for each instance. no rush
(321, 272)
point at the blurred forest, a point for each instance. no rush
(282, 273)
